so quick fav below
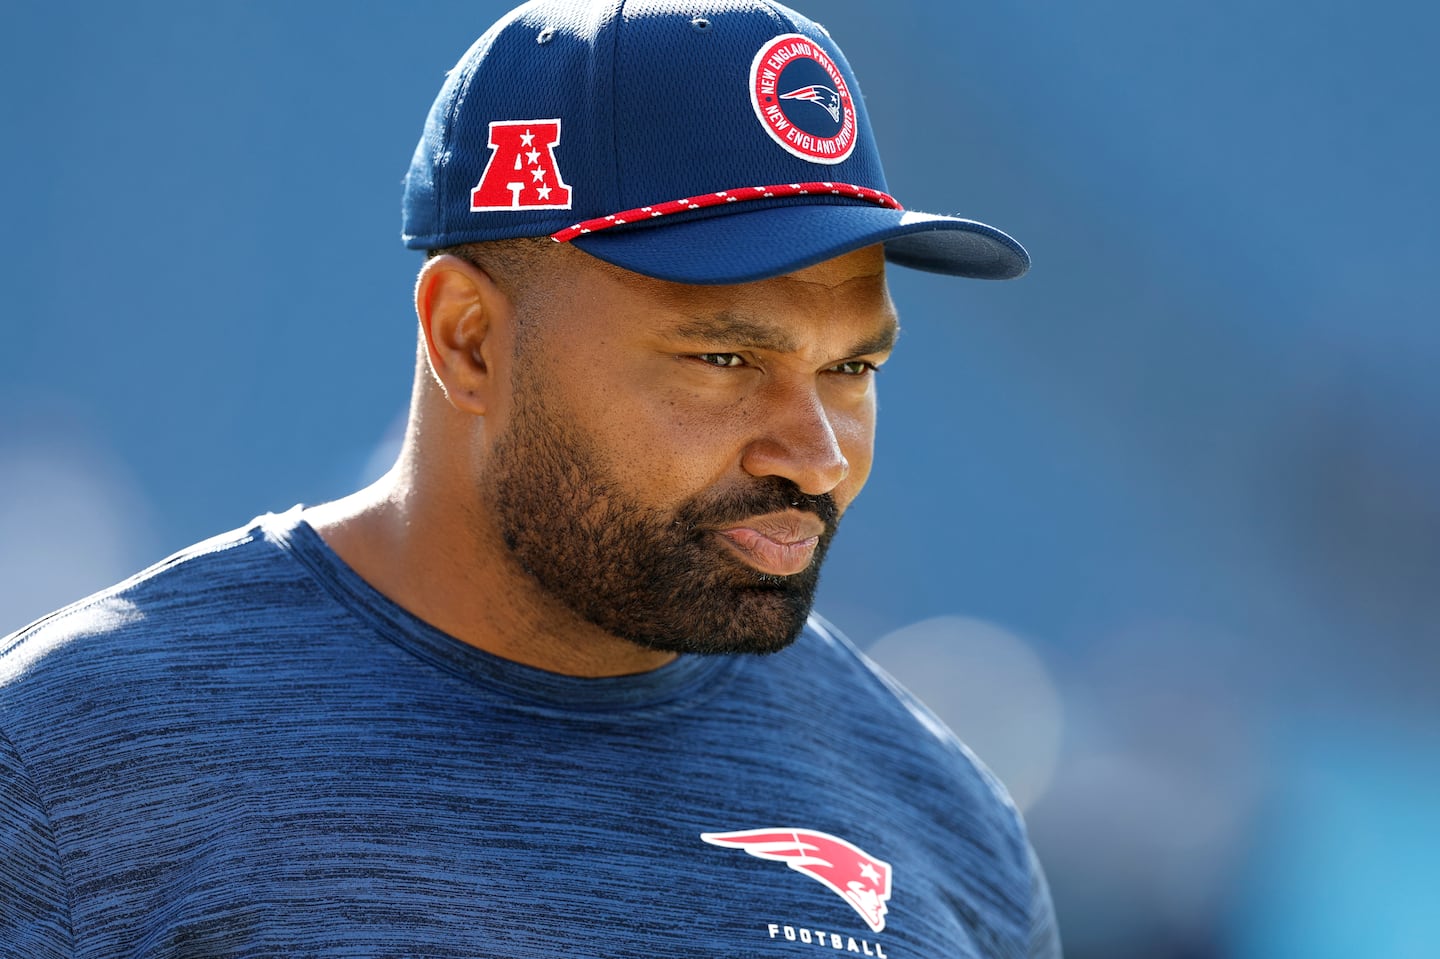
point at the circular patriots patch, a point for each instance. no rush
(802, 100)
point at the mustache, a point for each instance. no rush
(772, 494)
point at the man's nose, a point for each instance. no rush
(797, 441)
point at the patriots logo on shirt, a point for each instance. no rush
(821, 96)
(847, 870)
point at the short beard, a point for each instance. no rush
(662, 580)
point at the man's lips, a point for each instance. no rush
(781, 544)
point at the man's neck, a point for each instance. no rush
(432, 560)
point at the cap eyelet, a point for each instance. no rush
(545, 36)
(700, 25)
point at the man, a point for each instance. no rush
(509, 701)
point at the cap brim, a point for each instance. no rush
(745, 245)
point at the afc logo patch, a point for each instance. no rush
(802, 99)
(522, 173)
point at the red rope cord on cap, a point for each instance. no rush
(720, 199)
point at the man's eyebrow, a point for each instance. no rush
(731, 329)
(882, 342)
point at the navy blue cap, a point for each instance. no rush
(699, 141)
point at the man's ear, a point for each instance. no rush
(466, 320)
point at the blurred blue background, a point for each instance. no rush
(1156, 528)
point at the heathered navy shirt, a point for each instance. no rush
(247, 751)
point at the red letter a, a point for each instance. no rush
(521, 173)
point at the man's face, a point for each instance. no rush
(676, 458)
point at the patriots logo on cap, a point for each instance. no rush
(847, 870)
(793, 69)
(821, 96)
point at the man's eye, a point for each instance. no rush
(723, 360)
(855, 368)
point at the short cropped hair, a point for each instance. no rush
(524, 267)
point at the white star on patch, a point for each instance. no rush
(527, 138)
(538, 174)
(543, 192)
(533, 156)
(868, 871)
